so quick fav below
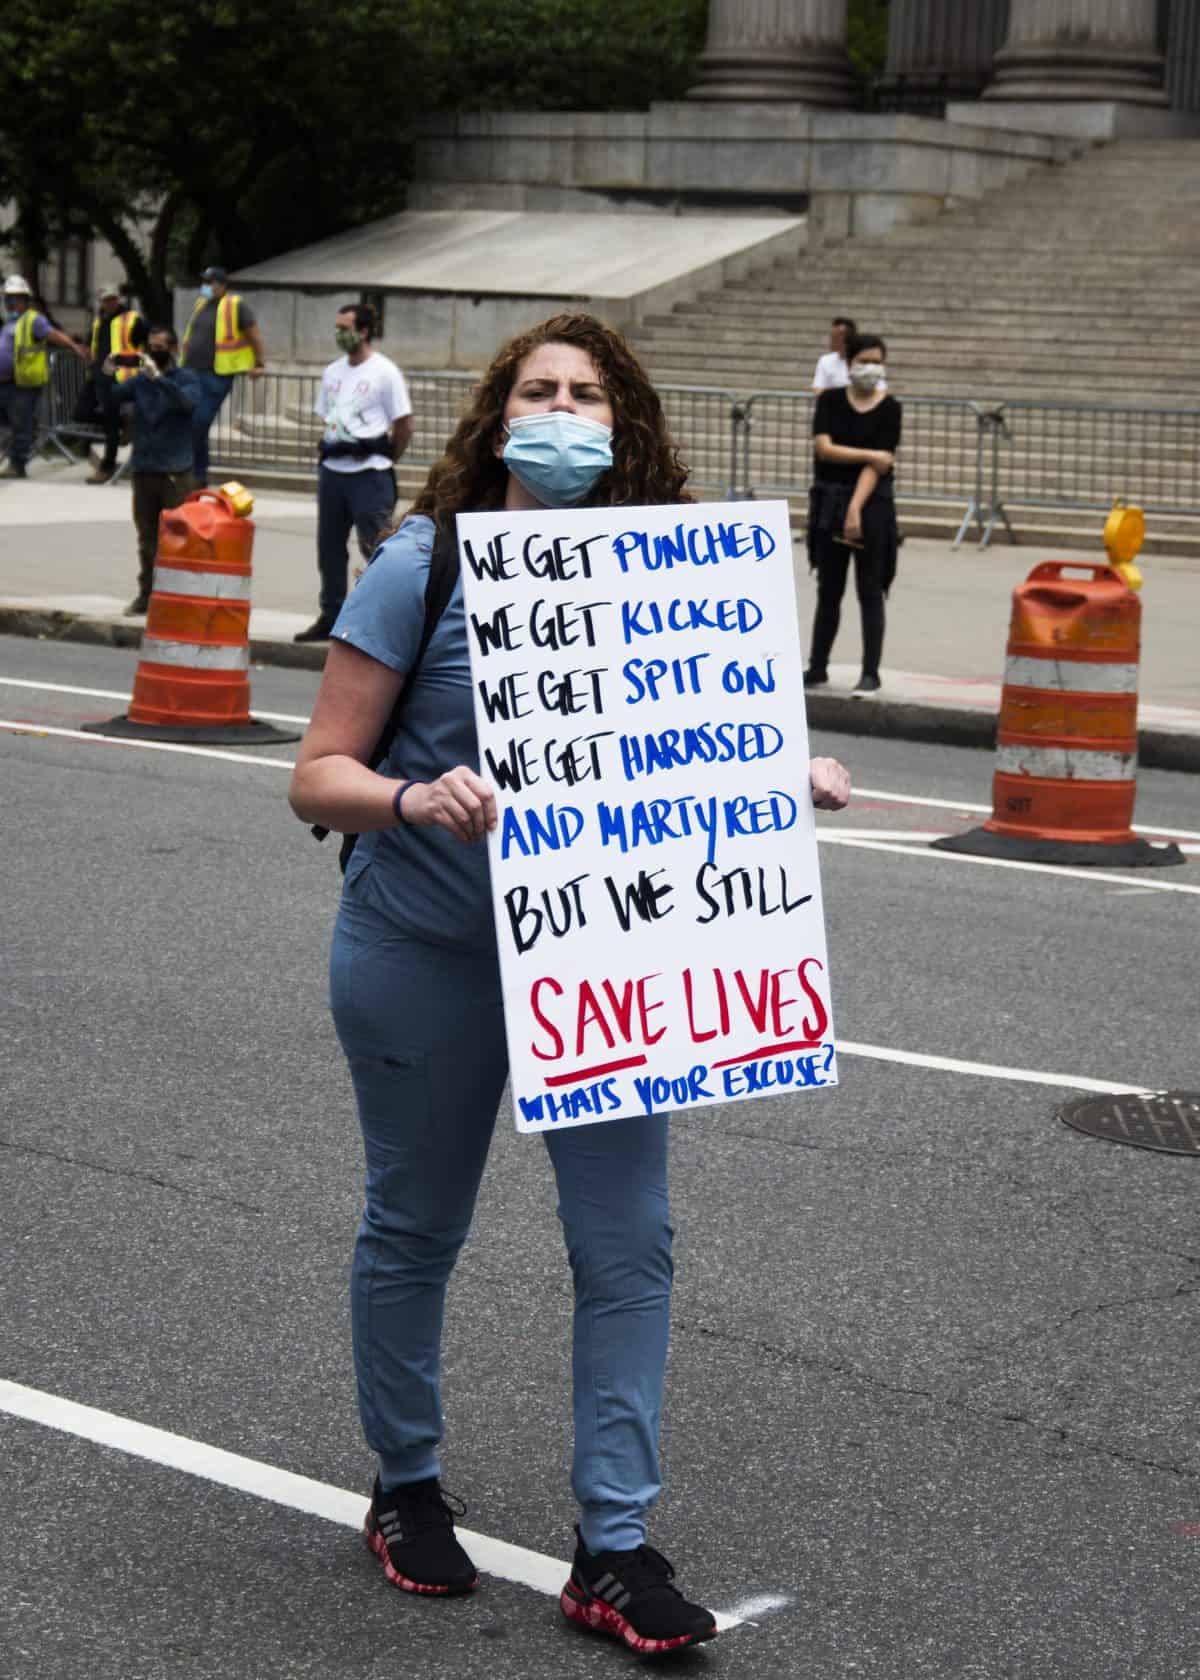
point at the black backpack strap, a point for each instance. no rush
(439, 586)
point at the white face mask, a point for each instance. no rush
(866, 376)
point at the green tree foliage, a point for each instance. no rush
(191, 130)
(177, 116)
(563, 55)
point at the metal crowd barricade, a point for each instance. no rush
(64, 389)
(268, 422)
(272, 422)
(705, 424)
(1075, 455)
(978, 458)
(939, 448)
(985, 507)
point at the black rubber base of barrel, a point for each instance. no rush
(252, 734)
(981, 842)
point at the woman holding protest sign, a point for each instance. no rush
(563, 417)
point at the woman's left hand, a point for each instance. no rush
(852, 529)
(830, 784)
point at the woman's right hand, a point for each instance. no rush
(881, 459)
(460, 801)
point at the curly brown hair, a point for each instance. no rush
(646, 467)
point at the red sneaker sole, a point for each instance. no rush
(377, 1544)
(598, 1617)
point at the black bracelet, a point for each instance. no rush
(397, 797)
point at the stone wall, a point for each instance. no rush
(858, 174)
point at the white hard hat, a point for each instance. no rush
(16, 286)
(111, 290)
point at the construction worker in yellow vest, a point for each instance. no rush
(221, 341)
(117, 337)
(25, 369)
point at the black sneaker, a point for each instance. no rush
(868, 683)
(318, 630)
(815, 679)
(411, 1532)
(139, 604)
(629, 1596)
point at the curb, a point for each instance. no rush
(901, 720)
(963, 726)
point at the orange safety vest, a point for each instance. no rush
(120, 340)
(233, 351)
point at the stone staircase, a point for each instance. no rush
(1078, 285)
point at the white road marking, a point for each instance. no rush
(824, 835)
(1096, 876)
(280, 1487)
(746, 1609)
(964, 805)
(153, 746)
(860, 793)
(987, 1070)
(115, 694)
(840, 833)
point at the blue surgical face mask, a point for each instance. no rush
(206, 290)
(557, 457)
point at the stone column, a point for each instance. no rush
(776, 49)
(1081, 49)
(940, 50)
(1183, 56)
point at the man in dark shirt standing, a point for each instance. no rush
(221, 341)
(164, 398)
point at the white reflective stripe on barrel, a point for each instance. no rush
(1066, 764)
(208, 656)
(1076, 676)
(219, 586)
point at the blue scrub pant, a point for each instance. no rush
(214, 388)
(364, 499)
(423, 1031)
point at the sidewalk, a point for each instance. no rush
(68, 568)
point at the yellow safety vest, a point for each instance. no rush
(120, 340)
(31, 363)
(233, 352)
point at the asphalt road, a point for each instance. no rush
(932, 1376)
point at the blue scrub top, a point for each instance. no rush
(424, 881)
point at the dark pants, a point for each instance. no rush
(364, 500)
(874, 570)
(214, 388)
(98, 405)
(18, 408)
(152, 492)
(833, 564)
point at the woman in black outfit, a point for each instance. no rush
(856, 432)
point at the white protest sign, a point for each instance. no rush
(640, 705)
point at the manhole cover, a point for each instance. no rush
(1167, 1120)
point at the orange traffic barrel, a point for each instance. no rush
(193, 678)
(1066, 754)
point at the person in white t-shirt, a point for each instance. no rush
(832, 372)
(368, 424)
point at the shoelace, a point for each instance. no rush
(427, 1506)
(647, 1569)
